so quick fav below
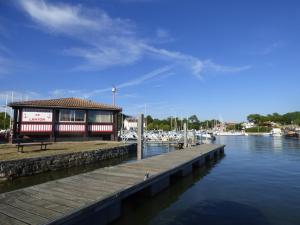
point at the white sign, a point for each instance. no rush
(37, 115)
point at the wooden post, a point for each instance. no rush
(86, 131)
(140, 136)
(13, 134)
(54, 118)
(116, 122)
(20, 112)
(194, 137)
(185, 136)
(114, 135)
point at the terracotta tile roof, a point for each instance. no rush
(131, 119)
(75, 103)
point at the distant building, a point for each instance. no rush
(247, 125)
(131, 123)
(65, 118)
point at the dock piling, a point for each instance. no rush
(185, 136)
(140, 138)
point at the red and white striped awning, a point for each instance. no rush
(36, 128)
(71, 128)
(101, 128)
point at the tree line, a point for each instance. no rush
(4, 122)
(172, 123)
(284, 119)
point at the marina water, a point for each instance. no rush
(256, 182)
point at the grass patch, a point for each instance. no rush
(9, 151)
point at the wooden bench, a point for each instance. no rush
(42, 144)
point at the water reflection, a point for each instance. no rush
(153, 149)
(139, 209)
(258, 182)
(214, 212)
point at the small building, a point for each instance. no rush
(130, 123)
(65, 119)
(247, 125)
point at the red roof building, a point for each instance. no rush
(65, 118)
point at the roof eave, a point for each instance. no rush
(63, 107)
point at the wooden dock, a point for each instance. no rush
(96, 197)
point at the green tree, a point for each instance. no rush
(288, 118)
(4, 122)
(254, 118)
(151, 126)
(149, 119)
(193, 119)
(165, 127)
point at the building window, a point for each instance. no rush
(100, 117)
(68, 115)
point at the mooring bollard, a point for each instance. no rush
(140, 137)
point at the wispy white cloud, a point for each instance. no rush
(266, 49)
(5, 61)
(4, 65)
(15, 95)
(8, 62)
(162, 36)
(58, 93)
(107, 41)
(271, 48)
(134, 82)
(196, 66)
(57, 17)
(128, 95)
(162, 33)
(156, 109)
(9, 65)
(146, 77)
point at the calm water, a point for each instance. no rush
(256, 182)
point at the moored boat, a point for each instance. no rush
(276, 132)
(292, 134)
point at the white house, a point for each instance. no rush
(131, 123)
(247, 125)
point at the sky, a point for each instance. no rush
(215, 59)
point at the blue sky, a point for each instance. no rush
(215, 59)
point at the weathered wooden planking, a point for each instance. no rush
(22, 215)
(63, 198)
(43, 212)
(6, 220)
(35, 201)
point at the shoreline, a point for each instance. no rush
(258, 133)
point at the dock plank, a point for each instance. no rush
(62, 200)
(6, 220)
(21, 215)
(43, 212)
